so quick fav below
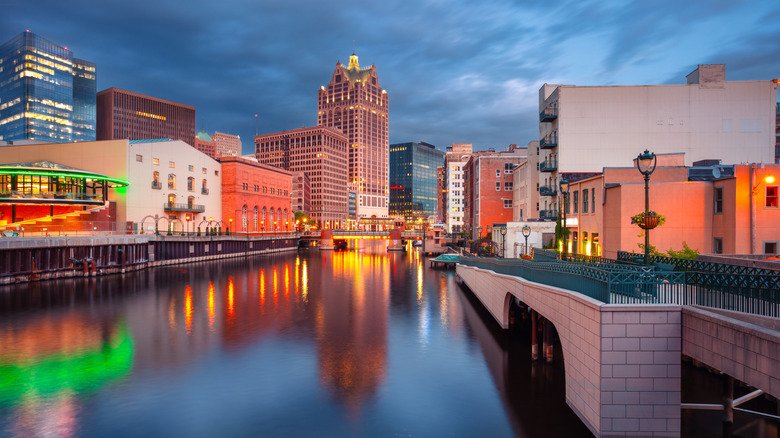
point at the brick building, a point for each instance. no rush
(301, 192)
(205, 144)
(255, 197)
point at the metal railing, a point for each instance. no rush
(65, 196)
(620, 281)
(156, 185)
(548, 166)
(194, 208)
(547, 191)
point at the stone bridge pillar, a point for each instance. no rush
(326, 240)
(396, 243)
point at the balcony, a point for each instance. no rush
(204, 191)
(191, 208)
(548, 214)
(550, 113)
(548, 191)
(549, 141)
(156, 185)
(548, 166)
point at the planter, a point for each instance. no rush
(649, 222)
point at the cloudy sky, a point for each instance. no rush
(457, 71)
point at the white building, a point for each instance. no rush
(227, 145)
(584, 129)
(456, 157)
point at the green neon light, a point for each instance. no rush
(76, 372)
(121, 182)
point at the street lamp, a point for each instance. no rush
(479, 230)
(503, 242)
(526, 232)
(564, 185)
(645, 163)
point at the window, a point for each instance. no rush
(190, 201)
(508, 203)
(243, 218)
(498, 186)
(498, 174)
(191, 168)
(156, 161)
(190, 183)
(585, 201)
(204, 170)
(139, 158)
(254, 221)
(567, 201)
(593, 198)
(204, 188)
(717, 201)
(172, 164)
(508, 185)
(216, 173)
(771, 197)
(156, 181)
(171, 181)
(717, 245)
(576, 201)
(770, 247)
(508, 167)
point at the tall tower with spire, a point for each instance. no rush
(355, 103)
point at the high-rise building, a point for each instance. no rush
(441, 194)
(124, 114)
(45, 93)
(777, 134)
(321, 153)
(355, 103)
(584, 129)
(301, 193)
(413, 184)
(456, 157)
(227, 145)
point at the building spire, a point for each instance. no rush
(353, 62)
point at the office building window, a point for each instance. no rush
(717, 202)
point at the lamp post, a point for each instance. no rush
(503, 242)
(645, 163)
(564, 185)
(526, 232)
(479, 230)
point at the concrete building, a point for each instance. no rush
(227, 145)
(134, 116)
(205, 144)
(441, 194)
(455, 158)
(413, 181)
(356, 104)
(321, 153)
(301, 193)
(489, 188)
(584, 129)
(777, 134)
(169, 179)
(525, 201)
(255, 197)
(45, 93)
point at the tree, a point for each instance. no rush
(301, 220)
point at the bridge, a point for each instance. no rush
(623, 330)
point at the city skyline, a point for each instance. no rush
(455, 72)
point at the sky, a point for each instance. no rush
(456, 71)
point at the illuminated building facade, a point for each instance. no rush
(301, 192)
(45, 93)
(126, 115)
(456, 157)
(321, 153)
(227, 145)
(413, 183)
(255, 197)
(205, 144)
(354, 102)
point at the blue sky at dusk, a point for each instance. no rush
(456, 71)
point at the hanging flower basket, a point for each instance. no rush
(649, 220)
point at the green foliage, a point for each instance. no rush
(686, 253)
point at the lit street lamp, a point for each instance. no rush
(645, 163)
(564, 184)
(503, 242)
(526, 232)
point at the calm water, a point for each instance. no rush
(358, 343)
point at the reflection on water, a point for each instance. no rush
(358, 343)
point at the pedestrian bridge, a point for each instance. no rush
(623, 343)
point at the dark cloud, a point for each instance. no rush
(456, 70)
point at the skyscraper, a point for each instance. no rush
(45, 93)
(413, 184)
(354, 102)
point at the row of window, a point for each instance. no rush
(172, 164)
(507, 185)
(588, 201)
(156, 184)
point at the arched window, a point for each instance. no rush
(171, 181)
(190, 201)
(243, 217)
(286, 219)
(254, 227)
(262, 219)
(280, 224)
(204, 188)
(156, 180)
(172, 199)
(272, 220)
(190, 183)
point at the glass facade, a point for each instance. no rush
(413, 180)
(45, 94)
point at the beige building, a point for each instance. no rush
(526, 195)
(584, 129)
(356, 104)
(454, 160)
(227, 145)
(321, 153)
(169, 179)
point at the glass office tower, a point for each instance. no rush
(413, 185)
(45, 94)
